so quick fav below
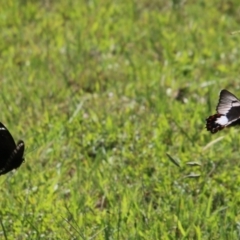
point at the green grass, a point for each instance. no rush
(101, 91)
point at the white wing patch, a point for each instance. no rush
(223, 120)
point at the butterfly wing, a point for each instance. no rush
(228, 111)
(229, 105)
(7, 145)
(15, 159)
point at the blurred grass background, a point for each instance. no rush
(101, 91)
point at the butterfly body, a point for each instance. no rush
(228, 112)
(11, 155)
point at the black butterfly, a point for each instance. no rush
(228, 112)
(11, 155)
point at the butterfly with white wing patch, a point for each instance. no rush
(228, 112)
(11, 155)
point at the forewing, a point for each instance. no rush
(227, 101)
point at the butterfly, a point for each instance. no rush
(11, 155)
(228, 112)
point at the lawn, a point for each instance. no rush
(110, 98)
